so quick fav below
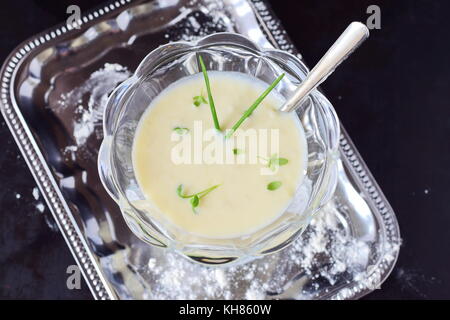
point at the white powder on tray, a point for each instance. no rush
(325, 256)
(88, 115)
(197, 24)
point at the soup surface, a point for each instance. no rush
(208, 184)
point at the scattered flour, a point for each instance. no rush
(414, 280)
(40, 206)
(88, 114)
(35, 193)
(40, 209)
(324, 257)
(197, 24)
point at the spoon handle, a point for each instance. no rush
(350, 39)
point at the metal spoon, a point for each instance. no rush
(350, 39)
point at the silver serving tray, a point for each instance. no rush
(115, 264)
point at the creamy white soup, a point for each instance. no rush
(208, 184)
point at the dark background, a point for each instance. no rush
(391, 95)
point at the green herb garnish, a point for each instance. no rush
(237, 151)
(195, 198)
(180, 192)
(274, 185)
(198, 100)
(275, 162)
(210, 98)
(255, 104)
(181, 130)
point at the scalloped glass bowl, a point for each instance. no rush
(221, 52)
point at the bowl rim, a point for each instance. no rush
(162, 238)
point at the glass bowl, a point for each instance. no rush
(221, 52)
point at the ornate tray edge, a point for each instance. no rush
(93, 275)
